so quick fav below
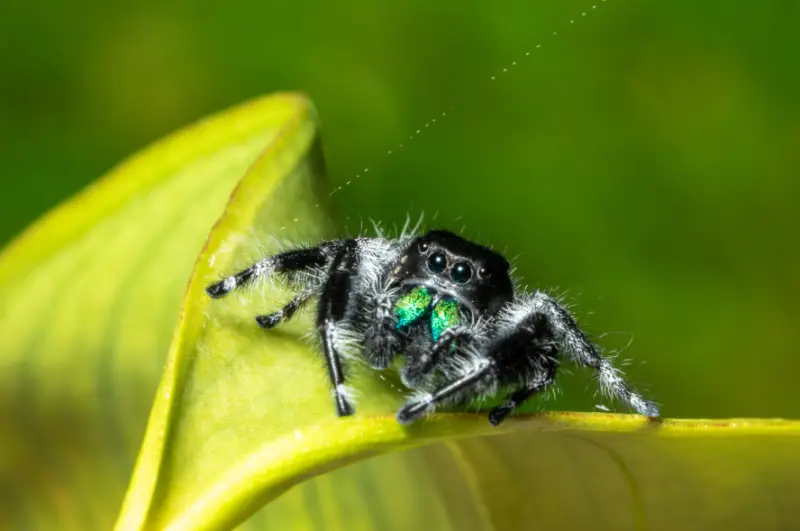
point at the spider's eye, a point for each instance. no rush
(423, 247)
(483, 272)
(461, 273)
(437, 262)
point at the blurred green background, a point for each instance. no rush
(643, 159)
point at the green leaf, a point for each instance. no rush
(241, 415)
(91, 296)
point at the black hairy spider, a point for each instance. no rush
(445, 303)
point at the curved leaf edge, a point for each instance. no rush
(253, 482)
(79, 212)
(298, 124)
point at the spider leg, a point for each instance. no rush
(271, 320)
(506, 353)
(580, 350)
(413, 373)
(283, 263)
(332, 312)
(412, 411)
(382, 341)
(520, 396)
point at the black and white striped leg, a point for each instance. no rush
(382, 341)
(414, 372)
(417, 409)
(519, 397)
(284, 263)
(272, 320)
(580, 350)
(333, 306)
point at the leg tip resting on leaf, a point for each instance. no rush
(412, 412)
(269, 321)
(343, 406)
(219, 289)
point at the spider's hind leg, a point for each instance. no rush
(287, 263)
(272, 320)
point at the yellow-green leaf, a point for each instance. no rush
(243, 414)
(91, 297)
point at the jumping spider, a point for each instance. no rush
(445, 303)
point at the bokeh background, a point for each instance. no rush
(644, 159)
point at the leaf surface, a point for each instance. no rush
(89, 299)
(95, 293)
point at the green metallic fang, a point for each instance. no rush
(445, 315)
(412, 306)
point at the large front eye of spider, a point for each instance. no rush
(437, 262)
(461, 273)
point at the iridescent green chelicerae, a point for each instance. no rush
(412, 306)
(445, 314)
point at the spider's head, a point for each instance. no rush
(452, 265)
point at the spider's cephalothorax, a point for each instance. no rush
(444, 303)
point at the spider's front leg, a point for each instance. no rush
(537, 383)
(415, 372)
(485, 368)
(498, 356)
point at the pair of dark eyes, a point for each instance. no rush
(460, 273)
